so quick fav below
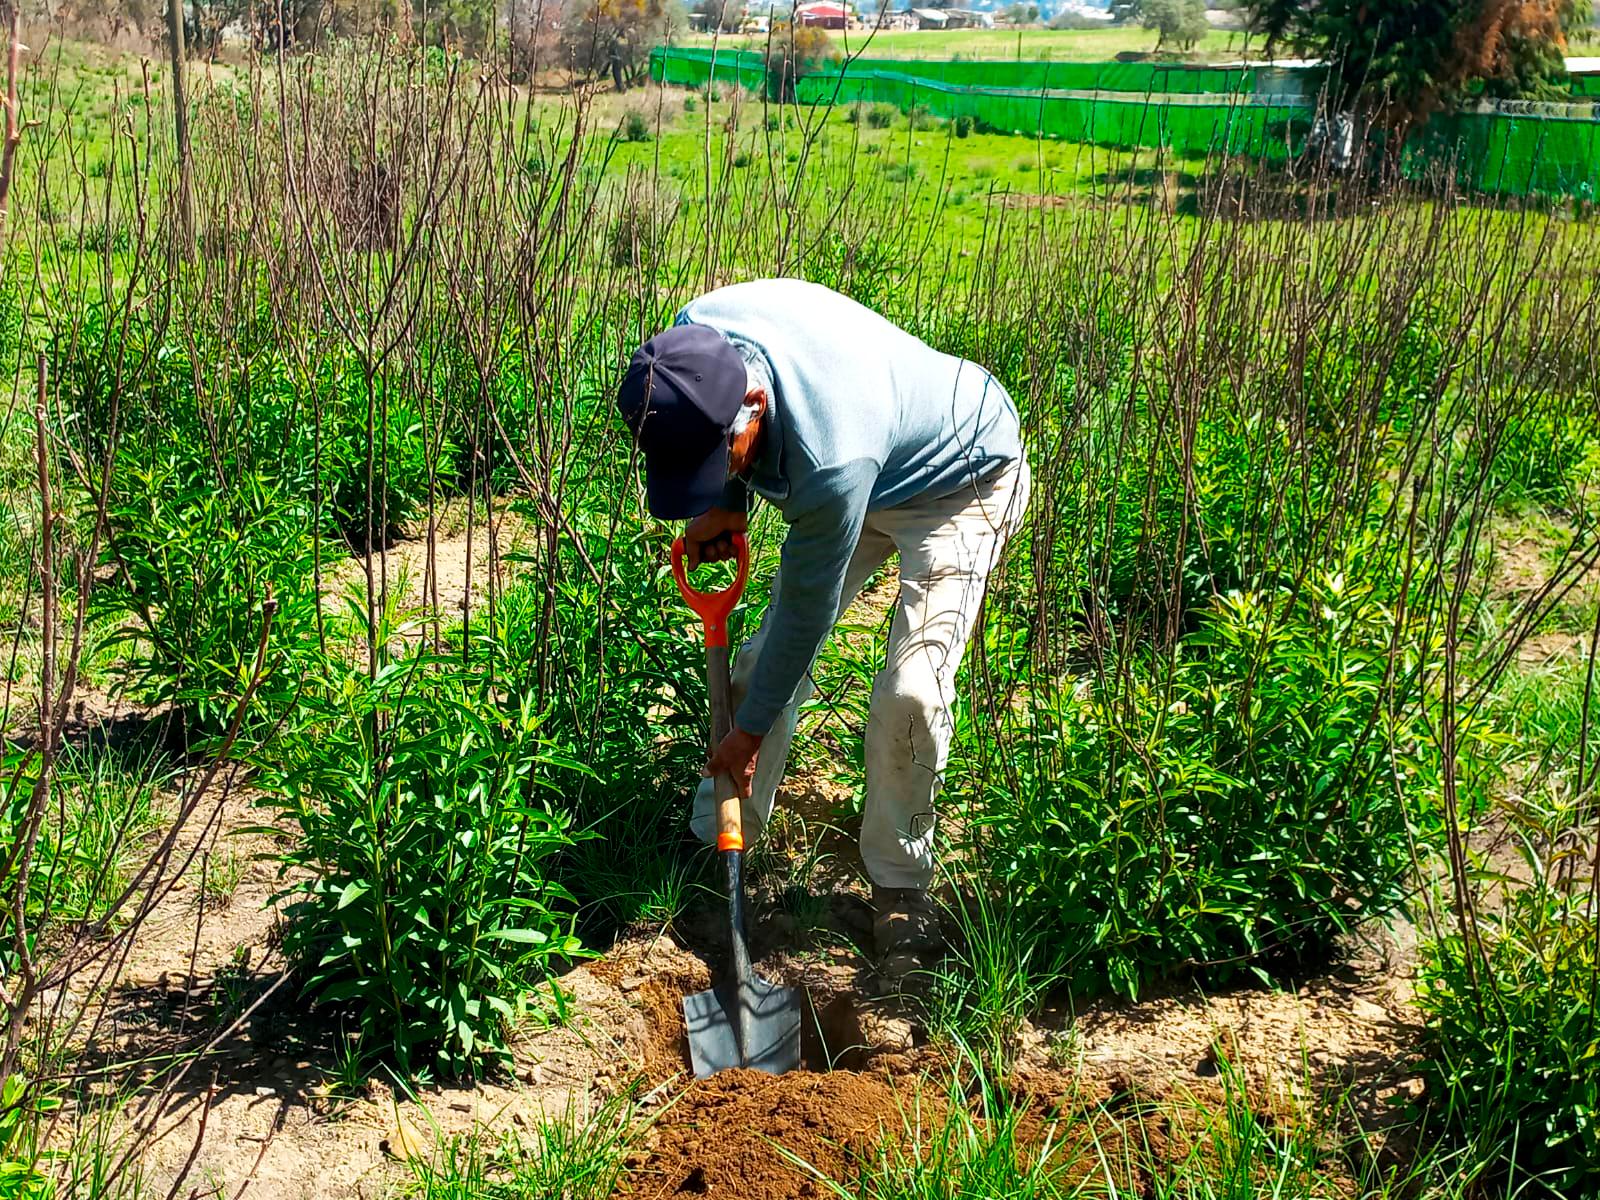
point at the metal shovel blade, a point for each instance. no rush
(771, 1016)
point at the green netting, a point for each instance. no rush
(1586, 85)
(1516, 155)
(693, 67)
(1175, 122)
(1187, 111)
(1066, 76)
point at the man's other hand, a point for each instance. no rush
(709, 537)
(736, 756)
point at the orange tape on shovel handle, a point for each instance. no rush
(713, 608)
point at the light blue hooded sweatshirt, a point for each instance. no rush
(861, 416)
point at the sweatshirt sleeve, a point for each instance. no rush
(822, 539)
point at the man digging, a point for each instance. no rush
(868, 441)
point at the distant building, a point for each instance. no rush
(823, 15)
(952, 18)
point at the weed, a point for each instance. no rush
(573, 1157)
(982, 997)
(220, 876)
(1514, 1030)
(881, 116)
(352, 1069)
(964, 1144)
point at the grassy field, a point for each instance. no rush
(351, 712)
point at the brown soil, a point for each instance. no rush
(457, 572)
(726, 1136)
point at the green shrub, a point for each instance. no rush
(1254, 798)
(1550, 456)
(634, 704)
(635, 127)
(689, 102)
(426, 828)
(196, 562)
(23, 1163)
(398, 481)
(881, 116)
(962, 125)
(1513, 1057)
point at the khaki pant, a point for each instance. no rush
(947, 548)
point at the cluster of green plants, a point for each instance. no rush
(1251, 794)
(1511, 998)
(24, 1173)
(427, 820)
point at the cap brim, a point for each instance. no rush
(677, 495)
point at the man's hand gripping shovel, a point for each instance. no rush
(744, 1020)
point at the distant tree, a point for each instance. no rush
(614, 37)
(1397, 61)
(1068, 19)
(726, 15)
(792, 51)
(1178, 22)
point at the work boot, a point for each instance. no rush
(905, 929)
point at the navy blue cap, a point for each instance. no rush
(680, 395)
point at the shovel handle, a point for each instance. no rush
(713, 608)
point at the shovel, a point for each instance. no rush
(744, 1020)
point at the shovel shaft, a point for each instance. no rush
(730, 842)
(733, 867)
(730, 812)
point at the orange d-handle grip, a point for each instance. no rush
(713, 608)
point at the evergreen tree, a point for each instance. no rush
(1402, 59)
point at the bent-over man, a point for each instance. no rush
(869, 442)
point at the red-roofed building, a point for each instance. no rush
(823, 14)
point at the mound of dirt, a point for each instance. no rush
(721, 1138)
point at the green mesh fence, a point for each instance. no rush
(1187, 111)
(1516, 155)
(1066, 76)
